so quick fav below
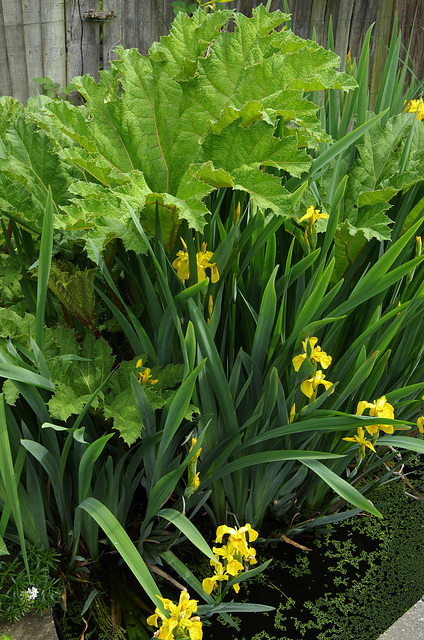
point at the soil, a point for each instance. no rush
(33, 625)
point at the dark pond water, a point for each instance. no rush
(357, 578)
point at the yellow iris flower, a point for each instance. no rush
(232, 553)
(310, 233)
(420, 424)
(378, 409)
(312, 215)
(180, 619)
(220, 575)
(196, 481)
(233, 566)
(145, 376)
(317, 355)
(362, 442)
(193, 474)
(182, 264)
(196, 455)
(237, 537)
(309, 386)
(210, 308)
(349, 64)
(416, 106)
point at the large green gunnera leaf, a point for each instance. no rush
(205, 108)
(381, 170)
(29, 164)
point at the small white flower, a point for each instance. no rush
(32, 593)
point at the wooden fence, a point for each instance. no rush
(351, 21)
(61, 39)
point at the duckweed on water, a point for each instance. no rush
(349, 585)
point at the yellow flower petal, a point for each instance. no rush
(145, 376)
(387, 428)
(362, 406)
(252, 555)
(193, 442)
(369, 445)
(312, 341)
(298, 360)
(153, 620)
(221, 531)
(252, 534)
(307, 388)
(362, 442)
(313, 214)
(372, 428)
(322, 358)
(210, 304)
(234, 567)
(208, 585)
(378, 409)
(316, 355)
(237, 213)
(416, 106)
(214, 273)
(303, 218)
(194, 627)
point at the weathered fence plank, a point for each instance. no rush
(113, 32)
(15, 45)
(54, 38)
(73, 40)
(33, 43)
(149, 27)
(411, 20)
(351, 22)
(90, 43)
(83, 39)
(131, 22)
(155, 21)
(5, 86)
(381, 33)
(341, 26)
(53, 33)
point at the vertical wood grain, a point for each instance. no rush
(382, 32)
(411, 23)
(54, 39)
(130, 23)
(301, 22)
(15, 48)
(31, 12)
(90, 39)
(342, 31)
(112, 31)
(5, 86)
(83, 39)
(73, 40)
(149, 26)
